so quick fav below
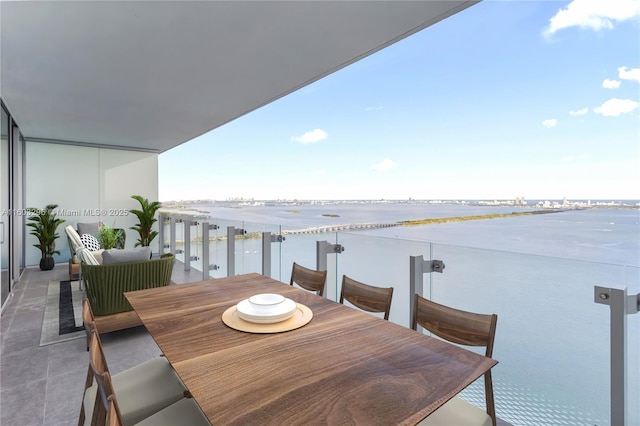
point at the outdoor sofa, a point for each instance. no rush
(106, 284)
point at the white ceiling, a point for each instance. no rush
(154, 74)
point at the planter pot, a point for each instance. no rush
(47, 263)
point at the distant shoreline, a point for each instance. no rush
(369, 226)
(429, 221)
(533, 204)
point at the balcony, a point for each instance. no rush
(553, 340)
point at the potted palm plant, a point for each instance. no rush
(45, 224)
(146, 219)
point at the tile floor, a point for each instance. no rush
(44, 385)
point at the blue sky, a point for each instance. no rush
(534, 99)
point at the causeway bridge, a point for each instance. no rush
(337, 228)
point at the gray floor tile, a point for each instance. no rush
(12, 306)
(36, 288)
(68, 357)
(64, 398)
(26, 320)
(16, 341)
(20, 368)
(23, 405)
(5, 322)
(28, 305)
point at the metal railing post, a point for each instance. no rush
(231, 251)
(172, 235)
(205, 250)
(206, 266)
(231, 248)
(620, 305)
(187, 245)
(323, 248)
(161, 245)
(416, 280)
(267, 239)
(417, 268)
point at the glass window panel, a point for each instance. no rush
(4, 207)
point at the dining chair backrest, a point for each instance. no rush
(366, 297)
(460, 327)
(88, 320)
(89, 327)
(98, 368)
(308, 279)
(113, 413)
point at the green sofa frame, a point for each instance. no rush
(106, 284)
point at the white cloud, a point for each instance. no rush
(610, 84)
(384, 165)
(313, 136)
(578, 112)
(593, 14)
(615, 107)
(629, 74)
(550, 123)
(377, 108)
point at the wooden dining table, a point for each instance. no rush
(343, 367)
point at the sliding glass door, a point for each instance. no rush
(12, 219)
(4, 208)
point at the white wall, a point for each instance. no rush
(89, 185)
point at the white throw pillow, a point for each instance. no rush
(90, 242)
(86, 256)
(74, 237)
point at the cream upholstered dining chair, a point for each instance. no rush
(113, 413)
(308, 279)
(145, 388)
(183, 412)
(366, 297)
(464, 328)
(107, 410)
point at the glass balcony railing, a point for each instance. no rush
(553, 340)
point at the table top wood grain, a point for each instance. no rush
(343, 367)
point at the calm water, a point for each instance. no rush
(536, 272)
(598, 235)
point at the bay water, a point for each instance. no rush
(537, 272)
(607, 235)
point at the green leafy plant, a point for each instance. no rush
(45, 224)
(146, 219)
(108, 236)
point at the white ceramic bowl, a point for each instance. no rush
(266, 302)
(265, 308)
